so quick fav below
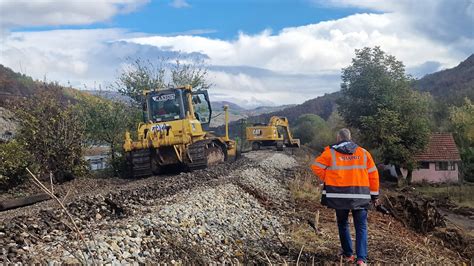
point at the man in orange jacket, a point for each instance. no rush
(351, 182)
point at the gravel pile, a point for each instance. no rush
(207, 216)
(267, 177)
(268, 187)
(215, 222)
(278, 161)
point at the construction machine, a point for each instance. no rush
(173, 133)
(275, 133)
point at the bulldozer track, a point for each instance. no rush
(141, 163)
(198, 154)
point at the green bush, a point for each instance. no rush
(14, 159)
(313, 131)
(53, 133)
(105, 122)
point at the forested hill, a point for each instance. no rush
(450, 85)
(322, 106)
(15, 84)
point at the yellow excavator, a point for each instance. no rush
(275, 133)
(174, 133)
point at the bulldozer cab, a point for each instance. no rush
(173, 104)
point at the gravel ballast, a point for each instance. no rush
(213, 215)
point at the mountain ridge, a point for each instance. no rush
(452, 84)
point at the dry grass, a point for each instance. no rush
(389, 240)
(314, 242)
(463, 195)
(305, 188)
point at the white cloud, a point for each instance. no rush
(445, 20)
(290, 66)
(326, 46)
(90, 57)
(179, 4)
(250, 90)
(59, 55)
(17, 13)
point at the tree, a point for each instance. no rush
(141, 75)
(462, 120)
(138, 76)
(335, 121)
(194, 74)
(313, 131)
(378, 101)
(106, 122)
(52, 132)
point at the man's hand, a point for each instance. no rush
(376, 202)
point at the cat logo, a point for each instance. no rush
(257, 132)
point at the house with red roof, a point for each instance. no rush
(440, 161)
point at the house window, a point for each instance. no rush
(424, 165)
(452, 166)
(445, 166)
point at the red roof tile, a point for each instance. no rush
(441, 147)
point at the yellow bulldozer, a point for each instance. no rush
(275, 133)
(174, 133)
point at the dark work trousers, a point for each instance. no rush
(360, 224)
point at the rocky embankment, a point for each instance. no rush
(8, 124)
(226, 213)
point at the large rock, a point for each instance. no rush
(8, 124)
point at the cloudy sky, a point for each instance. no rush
(258, 52)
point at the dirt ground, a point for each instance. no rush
(255, 210)
(390, 240)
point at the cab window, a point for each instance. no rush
(201, 108)
(164, 107)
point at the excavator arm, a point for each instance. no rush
(277, 121)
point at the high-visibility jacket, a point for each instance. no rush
(349, 175)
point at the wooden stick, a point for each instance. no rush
(269, 262)
(316, 220)
(41, 186)
(298, 260)
(76, 228)
(67, 194)
(51, 181)
(72, 253)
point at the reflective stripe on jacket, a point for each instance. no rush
(350, 180)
